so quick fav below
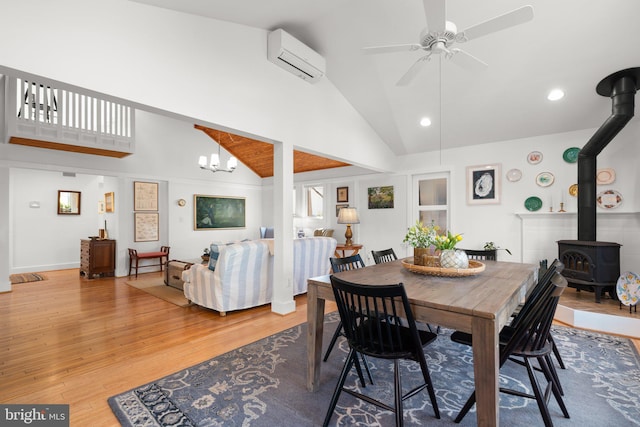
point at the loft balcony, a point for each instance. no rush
(46, 115)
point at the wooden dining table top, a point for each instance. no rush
(485, 294)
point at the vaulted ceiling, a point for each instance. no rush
(571, 44)
(258, 155)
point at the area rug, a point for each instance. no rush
(26, 277)
(263, 384)
(157, 288)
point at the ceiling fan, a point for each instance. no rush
(440, 36)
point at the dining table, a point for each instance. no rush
(480, 304)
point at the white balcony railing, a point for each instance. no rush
(41, 111)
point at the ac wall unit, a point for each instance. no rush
(294, 56)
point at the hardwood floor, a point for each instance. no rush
(76, 341)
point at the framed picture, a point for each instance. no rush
(216, 212)
(146, 227)
(68, 202)
(100, 206)
(340, 206)
(145, 196)
(483, 184)
(109, 202)
(380, 197)
(342, 195)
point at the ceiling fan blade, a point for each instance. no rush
(391, 48)
(435, 11)
(413, 71)
(466, 60)
(509, 19)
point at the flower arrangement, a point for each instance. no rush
(448, 241)
(421, 236)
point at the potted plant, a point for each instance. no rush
(422, 238)
(450, 257)
(490, 246)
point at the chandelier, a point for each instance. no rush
(214, 164)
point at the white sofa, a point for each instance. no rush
(243, 276)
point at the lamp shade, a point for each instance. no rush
(348, 216)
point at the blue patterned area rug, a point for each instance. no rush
(263, 384)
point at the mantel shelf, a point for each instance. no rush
(524, 215)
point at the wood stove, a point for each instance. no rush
(588, 265)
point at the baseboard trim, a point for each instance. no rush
(599, 322)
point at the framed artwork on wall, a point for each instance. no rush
(340, 206)
(380, 197)
(342, 195)
(217, 212)
(483, 184)
(145, 196)
(146, 227)
(109, 202)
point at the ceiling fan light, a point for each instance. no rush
(202, 161)
(425, 121)
(555, 95)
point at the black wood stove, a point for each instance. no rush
(589, 264)
(592, 266)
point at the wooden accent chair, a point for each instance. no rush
(135, 257)
(378, 322)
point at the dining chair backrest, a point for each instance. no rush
(532, 332)
(346, 263)
(543, 287)
(486, 254)
(385, 255)
(372, 319)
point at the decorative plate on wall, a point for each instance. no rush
(570, 155)
(609, 199)
(573, 190)
(533, 203)
(534, 157)
(545, 179)
(605, 176)
(514, 175)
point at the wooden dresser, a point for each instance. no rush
(97, 258)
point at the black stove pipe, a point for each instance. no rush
(621, 87)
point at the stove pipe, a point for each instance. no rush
(621, 87)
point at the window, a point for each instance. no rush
(431, 199)
(314, 197)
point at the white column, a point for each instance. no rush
(283, 301)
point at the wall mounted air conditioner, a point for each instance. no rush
(294, 56)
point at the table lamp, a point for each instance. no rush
(348, 216)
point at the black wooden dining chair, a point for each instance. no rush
(528, 340)
(343, 264)
(378, 322)
(485, 254)
(385, 255)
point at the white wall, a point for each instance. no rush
(166, 152)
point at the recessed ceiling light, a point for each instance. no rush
(425, 121)
(555, 95)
